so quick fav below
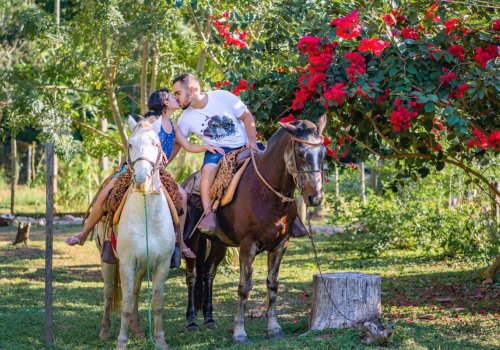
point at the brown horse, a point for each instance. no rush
(259, 219)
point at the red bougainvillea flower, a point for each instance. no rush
(478, 139)
(242, 86)
(288, 119)
(226, 82)
(357, 67)
(447, 77)
(401, 116)
(348, 26)
(308, 44)
(335, 94)
(450, 24)
(218, 85)
(496, 25)
(408, 33)
(375, 45)
(237, 40)
(393, 18)
(432, 13)
(301, 96)
(326, 141)
(494, 140)
(457, 51)
(460, 91)
(484, 55)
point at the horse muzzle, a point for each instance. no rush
(313, 200)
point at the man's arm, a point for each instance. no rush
(249, 122)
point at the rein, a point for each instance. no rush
(161, 161)
(283, 198)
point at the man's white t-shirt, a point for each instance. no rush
(217, 123)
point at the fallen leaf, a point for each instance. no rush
(443, 299)
(256, 313)
(456, 309)
(324, 337)
(427, 317)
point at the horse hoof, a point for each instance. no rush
(138, 334)
(192, 327)
(242, 339)
(121, 346)
(160, 344)
(104, 335)
(210, 324)
(276, 333)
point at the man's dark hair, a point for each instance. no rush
(184, 79)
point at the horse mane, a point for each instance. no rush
(304, 127)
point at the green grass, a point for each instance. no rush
(410, 284)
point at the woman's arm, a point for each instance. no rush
(181, 140)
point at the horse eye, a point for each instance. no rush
(129, 145)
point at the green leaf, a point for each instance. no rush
(429, 107)
(452, 119)
(439, 166)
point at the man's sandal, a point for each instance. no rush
(188, 253)
(72, 241)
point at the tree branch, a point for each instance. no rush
(99, 132)
(361, 143)
(450, 161)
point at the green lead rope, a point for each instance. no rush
(149, 290)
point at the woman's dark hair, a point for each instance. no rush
(156, 102)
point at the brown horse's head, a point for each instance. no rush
(304, 158)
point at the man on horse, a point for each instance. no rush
(220, 119)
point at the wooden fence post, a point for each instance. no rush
(49, 231)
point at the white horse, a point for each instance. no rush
(144, 152)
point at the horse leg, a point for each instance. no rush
(127, 281)
(247, 257)
(137, 332)
(107, 271)
(217, 253)
(191, 272)
(273, 266)
(159, 278)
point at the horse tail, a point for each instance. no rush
(117, 294)
(199, 286)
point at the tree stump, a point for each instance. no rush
(344, 299)
(23, 233)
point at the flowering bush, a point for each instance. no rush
(420, 84)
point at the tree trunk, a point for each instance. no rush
(301, 208)
(144, 76)
(154, 69)
(363, 182)
(15, 175)
(56, 171)
(28, 164)
(336, 181)
(356, 295)
(110, 75)
(204, 50)
(23, 234)
(104, 159)
(491, 271)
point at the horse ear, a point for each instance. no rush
(131, 123)
(321, 123)
(288, 127)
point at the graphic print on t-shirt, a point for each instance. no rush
(219, 127)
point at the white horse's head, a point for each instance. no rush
(144, 155)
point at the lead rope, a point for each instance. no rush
(309, 234)
(147, 266)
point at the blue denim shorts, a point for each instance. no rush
(121, 171)
(213, 158)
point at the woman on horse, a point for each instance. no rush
(161, 104)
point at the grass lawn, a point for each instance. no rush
(460, 314)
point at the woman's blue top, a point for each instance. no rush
(167, 140)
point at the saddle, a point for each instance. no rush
(230, 169)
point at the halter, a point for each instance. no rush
(285, 199)
(161, 160)
(296, 171)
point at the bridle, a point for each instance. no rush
(161, 160)
(295, 171)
